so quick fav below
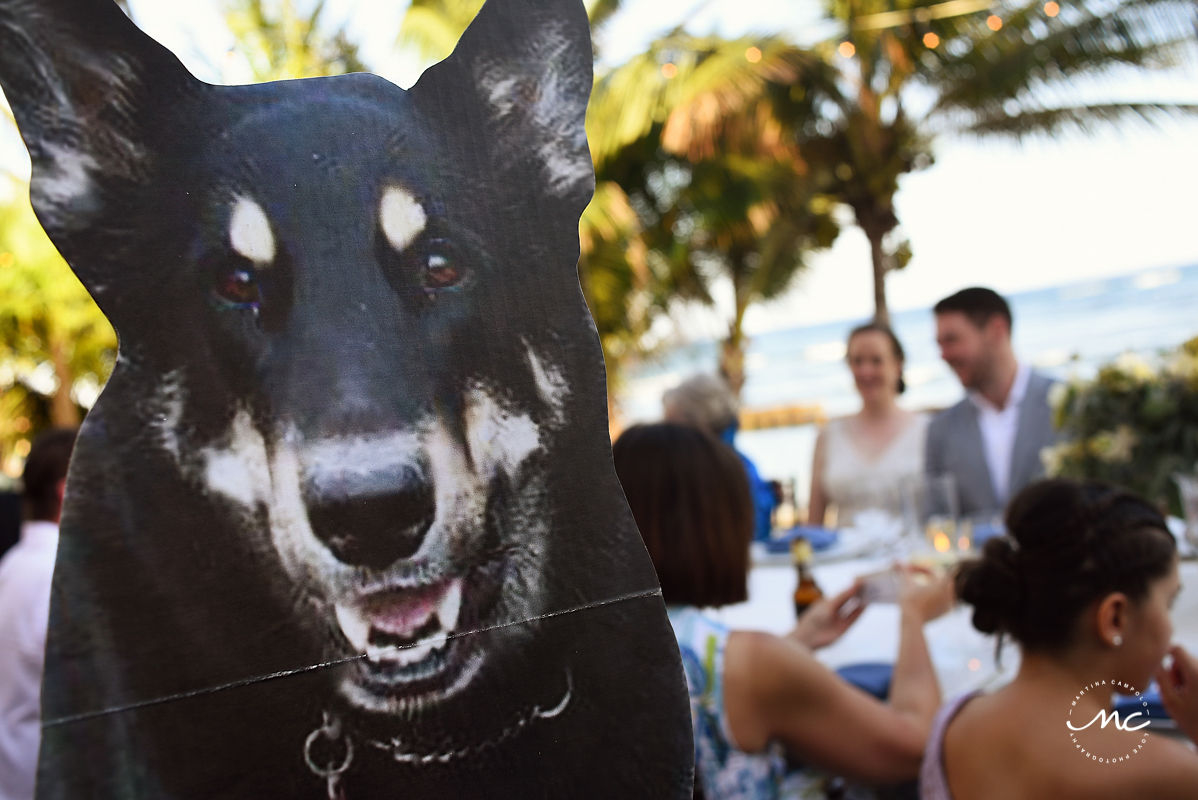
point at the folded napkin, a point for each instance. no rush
(871, 677)
(820, 538)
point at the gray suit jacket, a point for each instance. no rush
(954, 446)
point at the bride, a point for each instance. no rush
(861, 460)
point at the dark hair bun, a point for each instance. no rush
(1069, 544)
(991, 584)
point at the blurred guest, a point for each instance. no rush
(862, 460)
(757, 699)
(706, 402)
(10, 519)
(1083, 584)
(990, 441)
(25, 574)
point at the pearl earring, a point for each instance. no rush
(1117, 640)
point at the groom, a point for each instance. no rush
(991, 440)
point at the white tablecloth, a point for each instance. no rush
(964, 658)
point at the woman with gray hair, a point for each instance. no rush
(706, 402)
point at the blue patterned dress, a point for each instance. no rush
(727, 773)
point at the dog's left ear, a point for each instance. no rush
(525, 67)
(84, 85)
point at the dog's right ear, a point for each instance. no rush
(523, 68)
(83, 83)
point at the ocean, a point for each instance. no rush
(1067, 330)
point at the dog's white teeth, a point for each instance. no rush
(450, 606)
(355, 627)
(400, 656)
(368, 631)
(406, 655)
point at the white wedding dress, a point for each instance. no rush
(854, 482)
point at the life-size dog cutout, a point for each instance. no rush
(344, 521)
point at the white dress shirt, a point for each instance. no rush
(998, 427)
(25, 574)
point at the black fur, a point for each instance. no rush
(187, 657)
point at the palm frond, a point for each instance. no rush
(1018, 67)
(600, 11)
(1084, 118)
(432, 27)
(697, 81)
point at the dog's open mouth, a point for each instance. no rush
(406, 634)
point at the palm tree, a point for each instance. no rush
(280, 42)
(56, 348)
(975, 67)
(690, 132)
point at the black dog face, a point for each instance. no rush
(354, 354)
(386, 448)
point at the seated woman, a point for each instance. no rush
(757, 699)
(1083, 584)
(861, 460)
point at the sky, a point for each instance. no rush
(1008, 216)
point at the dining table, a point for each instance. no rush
(965, 659)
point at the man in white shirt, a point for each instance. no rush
(990, 441)
(25, 575)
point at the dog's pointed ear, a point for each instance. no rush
(525, 65)
(83, 82)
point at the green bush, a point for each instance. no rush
(1135, 424)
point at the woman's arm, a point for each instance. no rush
(774, 688)
(817, 503)
(914, 688)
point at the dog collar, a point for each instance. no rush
(332, 736)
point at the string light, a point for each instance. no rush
(669, 70)
(846, 49)
(930, 40)
(994, 22)
(753, 55)
(1052, 8)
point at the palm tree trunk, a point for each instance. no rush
(63, 411)
(732, 364)
(877, 256)
(732, 352)
(615, 422)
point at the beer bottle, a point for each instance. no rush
(807, 591)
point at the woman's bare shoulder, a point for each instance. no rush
(1165, 768)
(1039, 761)
(770, 662)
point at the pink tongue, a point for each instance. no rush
(402, 613)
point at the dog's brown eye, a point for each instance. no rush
(441, 270)
(441, 273)
(238, 288)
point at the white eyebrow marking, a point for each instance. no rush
(401, 216)
(249, 232)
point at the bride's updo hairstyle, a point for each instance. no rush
(1069, 543)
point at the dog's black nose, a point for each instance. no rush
(375, 531)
